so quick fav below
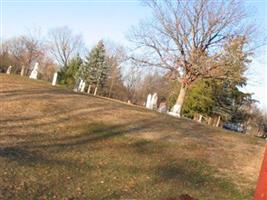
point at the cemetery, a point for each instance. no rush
(53, 137)
(166, 115)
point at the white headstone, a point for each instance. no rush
(175, 110)
(148, 101)
(154, 102)
(8, 71)
(200, 118)
(54, 82)
(80, 85)
(22, 70)
(83, 86)
(34, 72)
(95, 91)
(89, 89)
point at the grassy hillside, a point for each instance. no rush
(56, 144)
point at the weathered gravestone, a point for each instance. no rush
(34, 72)
(154, 102)
(54, 81)
(95, 91)
(163, 107)
(148, 101)
(89, 89)
(22, 70)
(80, 85)
(8, 71)
(83, 86)
(175, 111)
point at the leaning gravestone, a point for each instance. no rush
(8, 71)
(54, 82)
(148, 101)
(34, 72)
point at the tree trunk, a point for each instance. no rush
(95, 91)
(181, 97)
(110, 89)
(180, 101)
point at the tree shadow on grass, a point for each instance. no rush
(95, 132)
(196, 175)
(31, 158)
(199, 176)
(52, 118)
(27, 151)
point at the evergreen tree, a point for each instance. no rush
(222, 96)
(94, 70)
(199, 99)
(68, 74)
(229, 98)
(208, 97)
(230, 101)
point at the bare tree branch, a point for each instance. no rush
(64, 45)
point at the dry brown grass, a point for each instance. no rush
(56, 144)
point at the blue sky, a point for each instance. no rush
(95, 20)
(111, 20)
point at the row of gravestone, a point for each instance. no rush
(34, 73)
(80, 87)
(152, 101)
(152, 104)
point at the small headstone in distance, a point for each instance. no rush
(83, 86)
(8, 71)
(89, 89)
(148, 101)
(154, 103)
(76, 86)
(80, 85)
(175, 111)
(54, 81)
(34, 72)
(163, 107)
(22, 70)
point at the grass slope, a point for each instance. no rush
(56, 144)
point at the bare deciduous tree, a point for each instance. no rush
(131, 79)
(64, 44)
(115, 57)
(188, 37)
(25, 50)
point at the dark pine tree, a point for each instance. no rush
(94, 70)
